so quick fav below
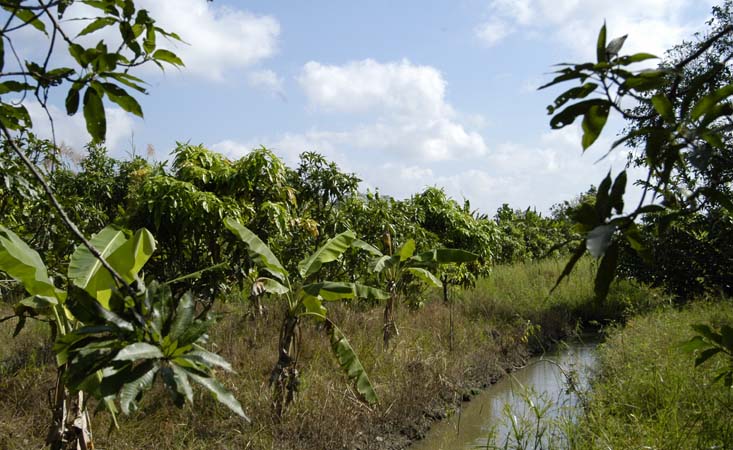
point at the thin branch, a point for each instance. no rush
(67, 221)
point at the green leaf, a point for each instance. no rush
(72, 100)
(138, 351)
(330, 251)
(314, 305)
(220, 393)
(706, 354)
(350, 364)
(606, 271)
(273, 287)
(663, 107)
(384, 262)
(616, 198)
(707, 102)
(94, 115)
(126, 256)
(568, 114)
(407, 250)
(168, 56)
(209, 358)
(259, 252)
(24, 264)
(180, 376)
(358, 243)
(637, 57)
(599, 239)
(577, 254)
(123, 99)
(574, 93)
(97, 24)
(601, 44)
(443, 256)
(131, 390)
(184, 316)
(29, 17)
(331, 291)
(425, 276)
(593, 122)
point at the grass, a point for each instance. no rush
(422, 377)
(650, 395)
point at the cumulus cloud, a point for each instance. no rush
(268, 80)
(413, 118)
(220, 38)
(652, 25)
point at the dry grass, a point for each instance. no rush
(418, 379)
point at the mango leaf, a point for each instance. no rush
(143, 382)
(350, 364)
(94, 115)
(569, 113)
(601, 44)
(220, 393)
(663, 107)
(24, 264)
(258, 250)
(593, 123)
(180, 376)
(599, 239)
(577, 254)
(167, 56)
(184, 316)
(330, 251)
(606, 271)
(97, 24)
(425, 275)
(138, 351)
(209, 358)
(707, 102)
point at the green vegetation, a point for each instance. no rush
(648, 393)
(121, 310)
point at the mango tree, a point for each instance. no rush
(303, 296)
(113, 336)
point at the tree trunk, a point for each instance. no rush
(71, 427)
(284, 377)
(390, 325)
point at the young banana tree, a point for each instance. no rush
(304, 296)
(396, 270)
(111, 341)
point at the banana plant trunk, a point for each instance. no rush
(390, 324)
(70, 426)
(284, 377)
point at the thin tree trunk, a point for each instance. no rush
(284, 376)
(390, 325)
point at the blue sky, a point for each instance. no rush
(405, 94)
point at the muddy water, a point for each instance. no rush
(486, 421)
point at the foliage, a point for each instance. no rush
(304, 297)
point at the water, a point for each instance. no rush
(506, 413)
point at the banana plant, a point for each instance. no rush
(112, 342)
(396, 270)
(304, 296)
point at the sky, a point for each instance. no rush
(406, 94)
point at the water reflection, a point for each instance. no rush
(505, 415)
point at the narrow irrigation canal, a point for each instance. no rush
(507, 411)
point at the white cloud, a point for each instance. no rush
(493, 31)
(413, 118)
(268, 80)
(652, 25)
(71, 130)
(221, 38)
